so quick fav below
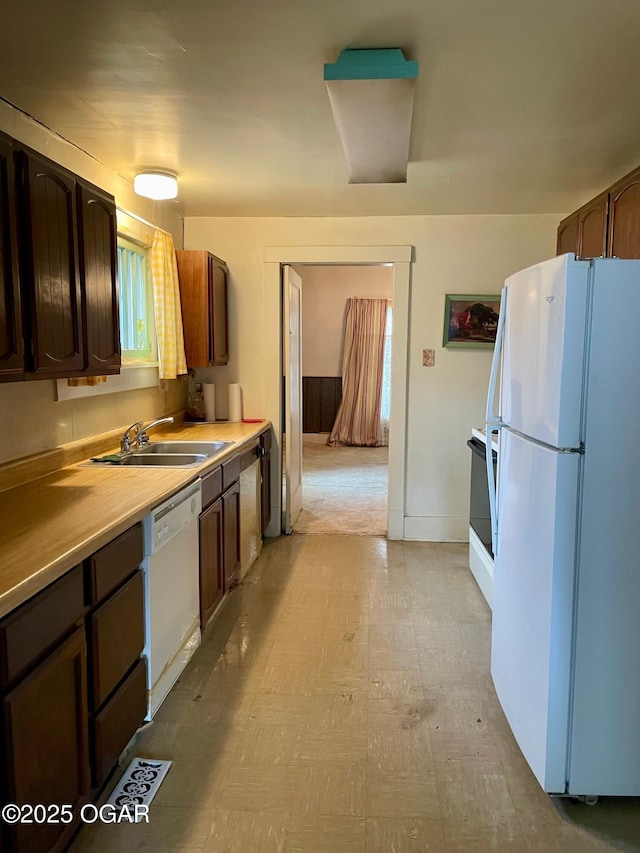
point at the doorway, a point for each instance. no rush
(344, 485)
(400, 257)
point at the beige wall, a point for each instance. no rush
(325, 290)
(453, 254)
(30, 418)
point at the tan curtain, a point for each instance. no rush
(166, 306)
(358, 418)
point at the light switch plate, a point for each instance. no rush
(428, 357)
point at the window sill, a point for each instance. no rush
(132, 377)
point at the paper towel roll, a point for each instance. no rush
(209, 392)
(235, 402)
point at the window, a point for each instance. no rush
(137, 329)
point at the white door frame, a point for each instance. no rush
(400, 257)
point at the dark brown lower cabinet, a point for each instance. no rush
(115, 724)
(73, 691)
(211, 560)
(231, 523)
(117, 684)
(115, 637)
(45, 725)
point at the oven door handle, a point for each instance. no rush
(495, 424)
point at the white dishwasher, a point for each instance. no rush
(171, 586)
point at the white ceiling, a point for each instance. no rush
(522, 106)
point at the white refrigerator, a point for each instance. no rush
(565, 656)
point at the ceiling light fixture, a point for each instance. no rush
(157, 184)
(371, 94)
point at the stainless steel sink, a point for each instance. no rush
(165, 460)
(206, 448)
(171, 454)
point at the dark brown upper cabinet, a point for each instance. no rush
(99, 280)
(608, 225)
(59, 311)
(624, 217)
(50, 269)
(203, 295)
(592, 228)
(11, 346)
(568, 235)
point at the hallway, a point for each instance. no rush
(342, 701)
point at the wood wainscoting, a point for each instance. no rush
(321, 397)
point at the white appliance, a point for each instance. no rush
(171, 586)
(250, 521)
(480, 552)
(565, 656)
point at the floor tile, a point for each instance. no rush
(476, 797)
(258, 788)
(325, 834)
(336, 746)
(262, 743)
(295, 679)
(234, 831)
(333, 711)
(327, 789)
(404, 835)
(395, 684)
(402, 794)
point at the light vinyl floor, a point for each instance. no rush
(342, 701)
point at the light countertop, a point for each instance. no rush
(51, 524)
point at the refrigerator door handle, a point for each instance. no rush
(494, 422)
(492, 419)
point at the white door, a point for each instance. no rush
(533, 586)
(543, 350)
(292, 366)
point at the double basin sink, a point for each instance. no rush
(173, 454)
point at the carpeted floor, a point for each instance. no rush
(344, 490)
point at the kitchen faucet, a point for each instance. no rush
(140, 436)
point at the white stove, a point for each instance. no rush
(480, 554)
(481, 434)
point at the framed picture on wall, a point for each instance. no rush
(470, 321)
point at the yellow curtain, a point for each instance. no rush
(166, 304)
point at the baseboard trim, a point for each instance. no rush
(435, 529)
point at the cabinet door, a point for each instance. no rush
(218, 335)
(11, 349)
(116, 638)
(192, 274)
(117, 722)
(568, 235)
(45, 723)
(231, 522)
(98, 280)
(624, 217)
(592, 228)
(51, 268)
(211, 557)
